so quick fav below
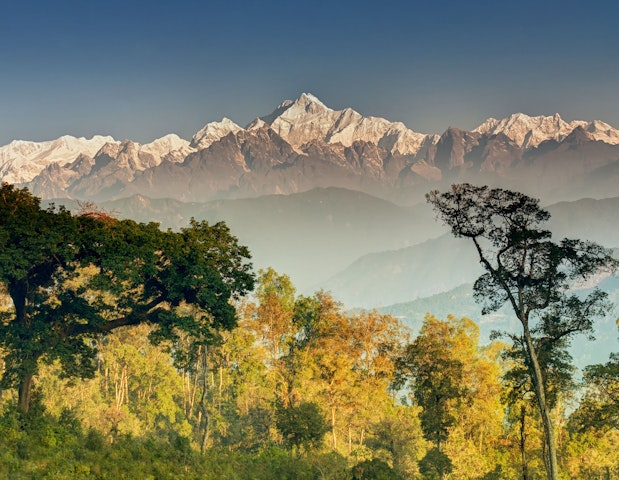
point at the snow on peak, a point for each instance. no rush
(602, 131)
(308, 119)
(308, 99)
(256, 124)
(170, 146)
(166, 144)
(285, 104)
(489, 125)
(304, 108)
(213, 132)
(21, 161)
(528, 131)
(305, 100)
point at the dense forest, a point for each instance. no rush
(128, 352)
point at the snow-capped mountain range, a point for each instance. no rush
(529, 131)
(303, 144)
(21, 161)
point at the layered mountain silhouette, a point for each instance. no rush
(303, 144)
(444, 262)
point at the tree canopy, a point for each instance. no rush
(72, 277)
(530, 272)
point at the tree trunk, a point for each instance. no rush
(333, 428)
(25, 393)
(538, 383)
(205, 435)
(203, 401)
(439, 447)
(523, 443)
(18, 293)
(349, 439)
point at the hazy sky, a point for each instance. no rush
(141, 69)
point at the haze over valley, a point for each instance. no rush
(333, 199)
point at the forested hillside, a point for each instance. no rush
(301, 389)
(132, 352)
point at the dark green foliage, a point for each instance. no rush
(53, 451)
(303, 426)
(250, 432)
(71, 278)
(495, 474)
(435, 464)
(277, 463)
(374, 470)
(555, 361)
(599, 409)
(94, 440)
(436, 376)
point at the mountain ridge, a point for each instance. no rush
(439, 264)
(289, 232)
(304, 144)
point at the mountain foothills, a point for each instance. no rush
(304, 144)
(442, 263)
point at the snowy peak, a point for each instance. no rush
(603, 132)
(257, 124)
(303, 134)
(310, 102)
(307, 119)
(170, 147)
(528, 132)
(305, 104)
(281, 108)
(136, 157)
(113, 161)
(21, 161)
(213, 132)
(304, 119)
(166, 144)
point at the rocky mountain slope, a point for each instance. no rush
(304, 144)
(21, 161)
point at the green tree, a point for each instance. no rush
(271, 318)
(527, 270)
(348, 363)
(136, 389)
(274, 311)
(374, 469)
(72, 277)
(593, 453)
(398, 433)
(600, 407)
(556, 363)
(302, 426)
(475, 438)
(430, 364)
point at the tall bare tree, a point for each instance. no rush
(529, 271)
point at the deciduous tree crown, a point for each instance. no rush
(71, 277)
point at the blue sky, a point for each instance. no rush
(141, 69)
